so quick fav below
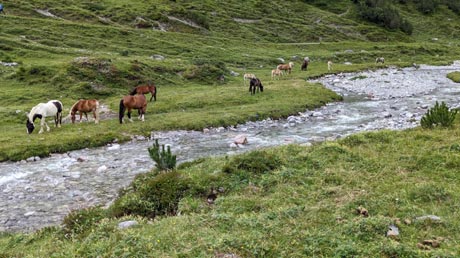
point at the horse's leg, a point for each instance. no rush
(129, 115)
(86, 115)
(142, 112)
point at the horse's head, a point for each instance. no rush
(30, 126)
(291, 64)
(72, 117)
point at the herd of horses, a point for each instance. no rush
(137, 100)
(53, 108)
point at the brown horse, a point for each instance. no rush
(133, 102)
(83, 106)
(145, 89)
(286, 67)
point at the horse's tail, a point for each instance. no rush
(122, 111)
(133, 92)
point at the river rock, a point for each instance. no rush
(240, 139)
(113, 147)
(101, 168)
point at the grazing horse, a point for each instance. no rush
(276, 73)
(42, 110)
(286, 67)
(304, 65)
(329, 65)
(248, 76)
(255, 83)
(145, 89)
(133, 102)
(83, 106)
(380, 60)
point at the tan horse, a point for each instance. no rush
(133, 102)
(83, 106)
(248, 76)
(286, 67)
(276, 73)
(329, 65)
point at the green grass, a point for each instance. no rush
(303, 206)
(454, 76)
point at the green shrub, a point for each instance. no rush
(454, 76)
(132, 204)
(257, 162)
(163, 158)
(80, 221)
(438, 116)
(156, 196)
(165, 192)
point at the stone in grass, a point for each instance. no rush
(393, 232)
(127, 224)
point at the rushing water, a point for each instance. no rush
(35, 194)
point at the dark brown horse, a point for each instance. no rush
(255, 83)
(304, 65)
(83, 106)
(145, 89)
(133, 102)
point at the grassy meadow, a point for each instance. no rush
(290, 201)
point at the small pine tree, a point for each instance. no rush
(163, 158)
(438, 116)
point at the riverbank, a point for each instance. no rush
(93, 176)
(304, 207)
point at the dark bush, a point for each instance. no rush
(159, 195)
(383, 13)
(80, 221)
(427, 6)
(438, 116)
(454, 5)
(257, 162)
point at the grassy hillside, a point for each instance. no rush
(78, 49)
(290, 201)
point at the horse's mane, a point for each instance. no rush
(133, 92)
(73, 108)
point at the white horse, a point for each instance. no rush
(248, 76)
(43, 110)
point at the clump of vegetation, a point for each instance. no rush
(80, 221)
(159, 195)
(438, 116)
(454, 76)
(257, 162)
(383, 13)
(164, 159)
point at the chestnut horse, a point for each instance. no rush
(133, 102)
(83, 106)
(145, 89)
(286, 67)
